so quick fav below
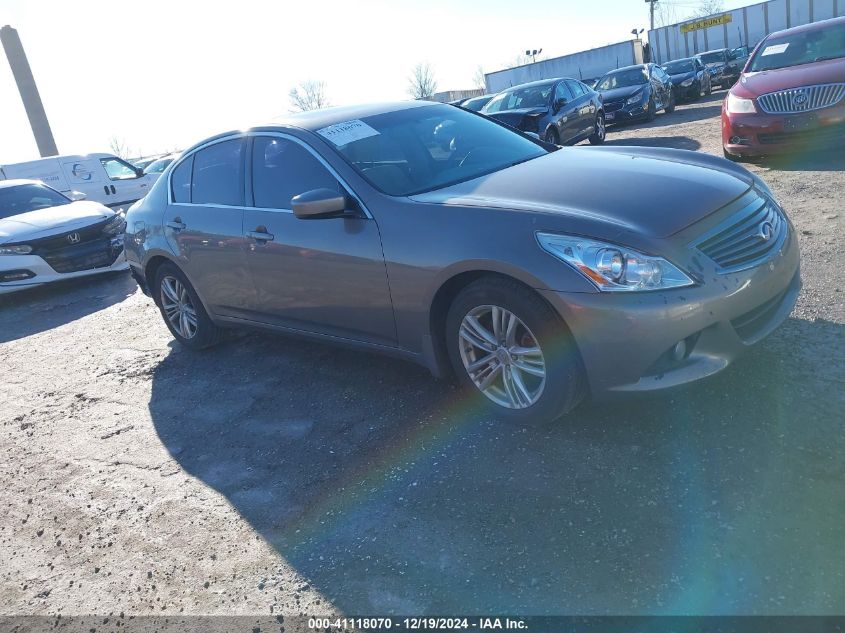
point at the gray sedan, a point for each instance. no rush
(537, 275)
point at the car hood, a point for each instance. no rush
(676, 79)
(756, 84)
(654, 192)
(512, 116)
(617, 94)
(45, 222)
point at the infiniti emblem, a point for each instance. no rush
(766, 231)
(799, 98)
(73, 238)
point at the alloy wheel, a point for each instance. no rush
(502, 357)
(600, 127)
(178, 307)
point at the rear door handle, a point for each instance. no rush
(261, 235)
(176, 224)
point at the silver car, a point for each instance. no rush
(535, 274)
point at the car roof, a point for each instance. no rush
(681, 59)
(641, 66)
(4, 184)
(713, 50)
(806, 28)
(318, 119)
(539, 82)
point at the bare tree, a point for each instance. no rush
(421, 83)
(479, 80)
(665, 13)
(708, 7)
(119, 147)
(309, 95)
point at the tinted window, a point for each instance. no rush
(423, 148)
(803, 47)
(158, 166)
(714, 57)
(180, 181)
(680, 66)
(282, 169)
(562, 91)
(218, 174)
(577, 88)
(538, 96)
(23, 198)
(623, 79)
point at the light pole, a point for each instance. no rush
(533, 54)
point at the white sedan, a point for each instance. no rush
(45, 236)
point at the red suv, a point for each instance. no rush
(790, 95)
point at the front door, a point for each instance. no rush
(204, 226)
(124, 185)
(318, 275)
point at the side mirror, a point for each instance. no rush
(559, 103)
(77, 195)
(318, 203)
(139, 172)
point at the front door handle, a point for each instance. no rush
(260, 234)
(176, 224)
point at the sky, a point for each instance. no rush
(161, 75)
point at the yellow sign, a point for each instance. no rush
(706, 23)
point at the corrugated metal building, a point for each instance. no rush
(744, 26)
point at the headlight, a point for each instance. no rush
(21, 249)
(611, 267)
(115, 225)
(739, 105)
(687, 83)
(635, 99)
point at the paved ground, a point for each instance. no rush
(275, 476)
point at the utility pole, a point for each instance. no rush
(29, 92)
(651, 12)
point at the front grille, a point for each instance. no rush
(100, 253)
(802, 99)
(747, 238)
(749, 325)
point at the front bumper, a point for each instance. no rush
(760, 134)
(627, 340)
(35, 271)
(626, 113)
(684, 93)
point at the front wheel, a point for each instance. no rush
(182, 309)
(670, 107)
(651, 112)
(599, 130)
(512, 352)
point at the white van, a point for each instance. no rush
(103, 178)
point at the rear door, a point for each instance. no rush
(319, 275)
(204, 226)
(567, 116)
(585, 109)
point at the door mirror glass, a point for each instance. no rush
(559, 103)
(318, 203)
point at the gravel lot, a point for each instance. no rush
(271, 476)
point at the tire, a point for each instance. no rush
(651, 112)
(670, 107)
(598, 137)
(709, 89)
(523, 397)
(551, 136)
(175, 296)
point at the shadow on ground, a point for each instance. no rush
(390, 493)
(29, 312)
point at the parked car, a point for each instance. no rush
(725, 64)
(791, 94)
(45, 236)
(157, 167)
(101, 177)
(526, 269)
(141, 163)
(636, 93)
(690, 78)
(476, 103)
(561, 111)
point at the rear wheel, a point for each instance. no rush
(182, 309)
(670, 107)
(651, 112)
(599, 131)
(512, 352)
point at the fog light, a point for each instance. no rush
(735, 140)
(680, 350)
(16, 275)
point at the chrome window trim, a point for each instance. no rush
(247, 135)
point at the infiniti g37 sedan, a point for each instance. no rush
(45, 236)
(502, 259)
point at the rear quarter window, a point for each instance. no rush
(180, 181)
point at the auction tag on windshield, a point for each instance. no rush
(347, 132)
(774, 49)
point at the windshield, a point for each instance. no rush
(678, 67)
(423, 148)
(528, 97)
(716, 57)
(623, 79)
(30, 197)
(158, 166)
(476, 104)
(800, 48)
